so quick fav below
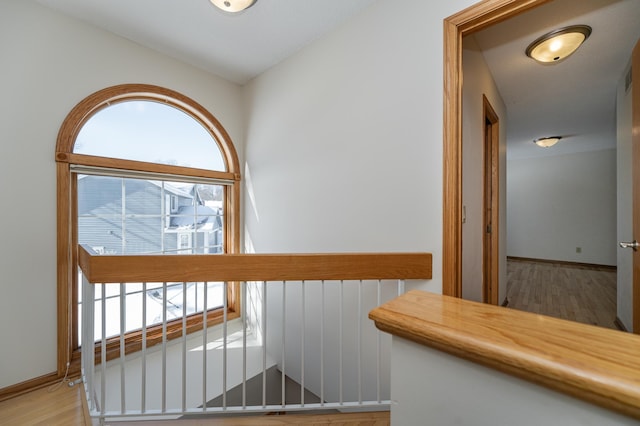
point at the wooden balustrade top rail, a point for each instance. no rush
(253, 267)
(591, 363)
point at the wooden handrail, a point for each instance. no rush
(591, 363)
(253, 267)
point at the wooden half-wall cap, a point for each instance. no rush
(595, 364)
(253, 267)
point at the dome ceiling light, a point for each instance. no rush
(233, 6)
(558, 44)
(548, 141)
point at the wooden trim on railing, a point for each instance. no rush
(591, 363)
(253, 267)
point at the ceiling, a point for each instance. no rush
(576, 98)
(236, 47)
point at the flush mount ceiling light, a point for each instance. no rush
(548, 141)
(558, 44)
(233, 6)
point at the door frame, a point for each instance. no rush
(491, 203)
(635, 141)
(466, 22)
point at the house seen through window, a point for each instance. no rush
(118, 215)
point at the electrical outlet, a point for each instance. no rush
(578, 249)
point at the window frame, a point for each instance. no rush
(67, 259)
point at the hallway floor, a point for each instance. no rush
(579, 293)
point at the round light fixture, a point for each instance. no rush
(548, 141)
(233, 6)
(558, 44)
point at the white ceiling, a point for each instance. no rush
(576, 98)
(236, 47)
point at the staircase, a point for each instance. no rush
(272, 382)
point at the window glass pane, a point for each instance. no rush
(154, 304)
(151, 132)
(118, 215)
(137, 216)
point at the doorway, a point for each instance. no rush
(635, 124)
(462, 24)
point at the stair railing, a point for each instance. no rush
(288, 332)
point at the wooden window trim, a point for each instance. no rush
(67, 239)
(133, 341)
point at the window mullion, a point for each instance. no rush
(139, 174)
(163, 216)
(123, 212)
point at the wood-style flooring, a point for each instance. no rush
(381, 418)
(51, 406)
(579, 293)
(63, 407)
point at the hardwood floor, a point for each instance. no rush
(63, 407)
(381, 418)
(578, 293)
(47, 407)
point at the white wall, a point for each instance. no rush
(478, 81)
(50, 63)
(344, 140)
(238, 358)
(558, 203)
(624, 162)
(454, 391)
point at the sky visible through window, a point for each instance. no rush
(152, 132)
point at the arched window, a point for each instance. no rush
(142, 169)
